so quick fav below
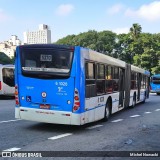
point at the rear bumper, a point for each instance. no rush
(48, 116)
(155, 91)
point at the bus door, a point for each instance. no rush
(139, 79)
(121, 87)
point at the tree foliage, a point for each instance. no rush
(4, 59)
(136, 47)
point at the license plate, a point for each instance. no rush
(44, 106)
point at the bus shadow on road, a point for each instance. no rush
(48, 127)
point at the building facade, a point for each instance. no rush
(9, 47)
(42, 35)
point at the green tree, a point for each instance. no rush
(135, 31)
(66, 40)
(106, 42)
(99, 41)
(4, 59)
(123, 47)
(140, 49)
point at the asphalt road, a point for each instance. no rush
(132, 130)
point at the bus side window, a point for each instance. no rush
(116, 79)
(90, 79)
(109, 80)
(100, 83)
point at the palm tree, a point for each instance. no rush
(135, 31)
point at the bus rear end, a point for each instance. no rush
(7, 80)
(155, 84)
(45, 85)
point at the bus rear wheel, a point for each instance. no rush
(107, 112)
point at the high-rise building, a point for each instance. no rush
(42, 35)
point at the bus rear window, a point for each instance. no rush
(155, 80)
(45, 61)
(8, 76)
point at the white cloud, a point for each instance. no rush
(115, 9)
(64, 9)
(150, 12)
(121, 30)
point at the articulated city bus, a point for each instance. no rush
(7, 80)
(74, 85)
(155, 84)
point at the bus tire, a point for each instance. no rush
(107, 111)
(134, 101)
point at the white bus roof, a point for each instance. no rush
(99, 57)
(140, 70)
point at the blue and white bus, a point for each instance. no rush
(155, 84)
(74, 85)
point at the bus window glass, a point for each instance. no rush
(100, 71)
(115, 79)
(133, 80)
(110, 73)
(109, 81)
(90, 80)
(116, 73)
(156, 80)
(8, 76)
(90, 71)
(100, 83)
(46, 61)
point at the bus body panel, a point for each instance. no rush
(6, 90)
(47, 116)
(59, 95)
(56, 93)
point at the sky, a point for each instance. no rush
(67, 17)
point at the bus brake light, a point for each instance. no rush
(0, 85)
(16, 95)
(76, 101)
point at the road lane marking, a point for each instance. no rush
(96, 126)
(147, 112)
(135, 116)
(12, 149)
(10, 121)
(157, 110)
(118, 120)
(60, 136)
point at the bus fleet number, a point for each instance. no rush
(63, 83)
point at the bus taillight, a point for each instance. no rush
(16, 95)
(76, 101)
(0, 85)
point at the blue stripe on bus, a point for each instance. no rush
(95, 107)
(100, 106)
